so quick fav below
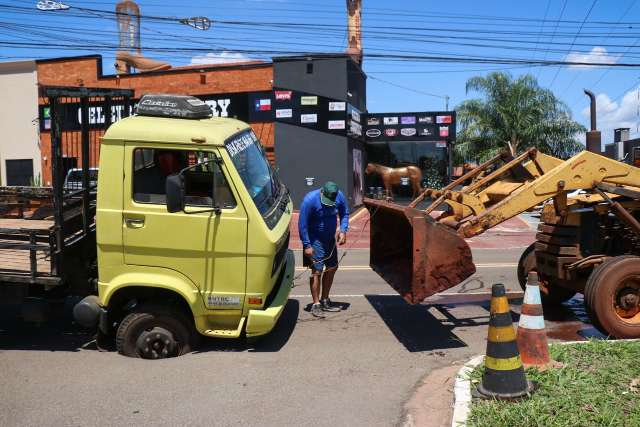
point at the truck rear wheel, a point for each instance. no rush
(550, 293)
(612, 297)
(154, 332)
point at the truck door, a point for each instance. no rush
(207, 248)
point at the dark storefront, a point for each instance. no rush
(422, 139)
(318, 104)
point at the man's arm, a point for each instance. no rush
(343, 212)
(303, 223)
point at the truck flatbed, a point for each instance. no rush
(23, 242)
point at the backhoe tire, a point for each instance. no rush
(154, 331)
(612, 297)
(551, 294)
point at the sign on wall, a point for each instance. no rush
(427, 126)
(312, 111)
(246, 106)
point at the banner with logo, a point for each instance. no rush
(421, 126)
(246, 106)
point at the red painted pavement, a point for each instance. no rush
(513, 233)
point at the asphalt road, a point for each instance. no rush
(356, 367)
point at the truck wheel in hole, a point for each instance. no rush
(550, 293)
(154, 332)
(612, 297)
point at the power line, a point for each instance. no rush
(611, 32)
(546, 11)
(564, 5)
(574, 39)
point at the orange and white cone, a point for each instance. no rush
(531, 336)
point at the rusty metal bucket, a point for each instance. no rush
(413, 253)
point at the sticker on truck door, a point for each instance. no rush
(223, 301)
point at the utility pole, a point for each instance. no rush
(446, 103)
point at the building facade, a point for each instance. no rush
(20, 156)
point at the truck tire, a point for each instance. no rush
(612, 297)
(551, 294)
(154, 331)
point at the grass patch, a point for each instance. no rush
(598, 386)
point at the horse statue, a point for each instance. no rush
(392, 176)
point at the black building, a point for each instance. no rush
(318, 101)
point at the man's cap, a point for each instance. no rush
(329, 193)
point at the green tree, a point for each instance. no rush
(514, 114)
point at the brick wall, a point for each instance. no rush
(219, 79)
(186, 80)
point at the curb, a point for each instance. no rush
(462, 387)
(462, 392)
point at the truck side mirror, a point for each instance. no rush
(175, 193)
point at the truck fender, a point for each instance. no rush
(153, 277)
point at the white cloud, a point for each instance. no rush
(597, 55)
(219, 58)
(611, 115)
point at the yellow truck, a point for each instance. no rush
(191, 232)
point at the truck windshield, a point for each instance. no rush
(250, 160)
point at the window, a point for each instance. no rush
(204, 181)
(252, 165)
(19, 172)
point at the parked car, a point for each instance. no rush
(73, 180)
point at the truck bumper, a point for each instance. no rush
(262, 321)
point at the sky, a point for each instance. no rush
(417, 52)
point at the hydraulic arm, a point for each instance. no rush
(422, 252)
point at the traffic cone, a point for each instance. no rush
(531, 337)
(504, 376)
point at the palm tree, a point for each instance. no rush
(514, 114)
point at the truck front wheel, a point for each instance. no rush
(154, 332)
(612, 297)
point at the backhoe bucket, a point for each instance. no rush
(413, 253)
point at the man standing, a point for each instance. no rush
(317, 226)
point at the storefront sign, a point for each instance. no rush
(283, 95)
(355, 128)
(284, 113)
(337, 106)
(354, 113)
(336, 124)
(420, 126)
(263, 105)
(308, 118)
(308, 100)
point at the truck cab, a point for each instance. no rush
(192, 231)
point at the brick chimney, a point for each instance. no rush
(354, 28)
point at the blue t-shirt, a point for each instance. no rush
(319, 222)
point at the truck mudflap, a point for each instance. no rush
(413, 253)
(262, 321)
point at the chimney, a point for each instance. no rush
(620, 135)
(593, 136)
(354, 26)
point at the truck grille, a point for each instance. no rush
(281, 251)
